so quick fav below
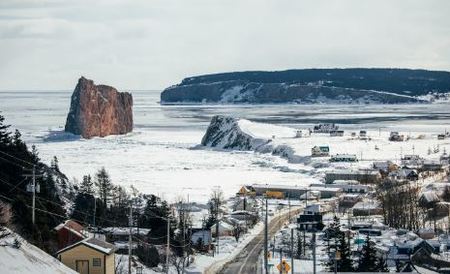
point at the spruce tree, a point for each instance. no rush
(382, 264)
(5, 134)
(104, 185)
(299, 246)
(345, 263)
(368, 261)
(87, 186)
(333, 232)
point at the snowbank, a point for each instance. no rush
(27, 258)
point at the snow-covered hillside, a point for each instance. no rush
(27, 258)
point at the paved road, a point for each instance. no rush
(247, 261)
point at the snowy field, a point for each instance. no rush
(160, 157)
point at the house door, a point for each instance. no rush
(82, 267)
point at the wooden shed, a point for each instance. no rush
(89, 256)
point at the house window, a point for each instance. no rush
(97, 262)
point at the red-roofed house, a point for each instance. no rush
(69, 233)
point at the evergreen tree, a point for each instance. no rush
(87, 186)
(333, 232)
(382, 264)
(155, 217)
(368, 261)
(345, 263)
(55, 164)
(332, 235)
(104, 185)
(299, 249)
(5, 134)
(446, 194)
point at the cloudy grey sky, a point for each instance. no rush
(151, 44)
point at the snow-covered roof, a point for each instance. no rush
(366, 205)
(28, 258)
(93, 243)
(126, 230)
(354, 171)
(267, 186)
(429, 196)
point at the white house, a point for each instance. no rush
(320, 151)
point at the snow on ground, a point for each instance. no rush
(27, 258)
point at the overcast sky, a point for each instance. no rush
(151, 44)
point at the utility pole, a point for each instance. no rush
(292, 250)
(217, 225)
(281, 260)
(314, 251)
(95, 210)
(168, 245)
(266, 239)
(33, 188)
(289, 207)
(33, 217)
(130, 242)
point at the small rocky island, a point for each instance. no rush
(99, 110)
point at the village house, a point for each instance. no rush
(349, 199)
(243, 215)
(316, 209)
(345, 187)
(320, 151)
(69, 233)
(412, 161)
(367, 208)
(384, 166)
(311, 219)
(203, 237)
(293, 192)
(363, 176)
(119, 236)
(225, 229)
(325, 128)
(404, 174)
(445, 158)
(396, 137)
(89, 256)
(344, 158)
(430, 165)
(362, 134)
(336, 133)
(326, 192)
(247, 191)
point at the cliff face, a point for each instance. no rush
(99, 110)
(237, 92)
(229, 133)
(309, 86)
(225, 133)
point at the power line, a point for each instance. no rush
(14, 157)
(11, 162)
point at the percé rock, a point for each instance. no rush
(99, 110)
(309, 86)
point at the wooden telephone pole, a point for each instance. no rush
(32, 188)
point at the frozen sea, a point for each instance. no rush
(159, 156)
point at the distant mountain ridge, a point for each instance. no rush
(342, 86)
